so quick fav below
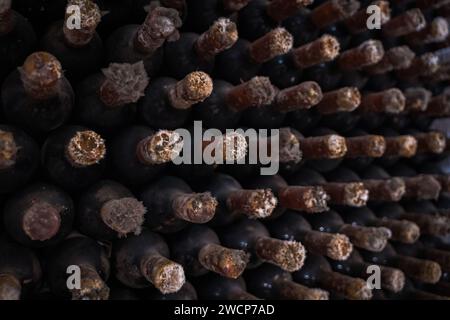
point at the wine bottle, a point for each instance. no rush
(143, 260)
(395, 58)
(17, 38)
(260, 16)
(224, 107)
(357, 22)
(173, 205)
(37, 96)
(430, 223)
(19, 272)
(19, 158)
(108, 210)
(300, 97)
(197, 52)
(85, 256)
(108, 100)
(391, 279)
(309, 199)
(405, 23)
(369, 238)
(234, 202)
(203, 13)
(167, 102)
(252, 237)
(271, 282)
(352, 194)
(74, 157)
(318, 272)
(78, 48)
(419, 250)
(426, 271)
(286, 70)
(243, 61)
(403, 231)
(198, 249)
(39, 215)
(292, 226)
(425, 65)
(133, 43)
(215, 287)
(139, 154)
(380, 190)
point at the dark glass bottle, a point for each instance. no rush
(19, 158)
(108, 210)
(215, 287)
(133, 43)
(78, 256)
(197, 52)
(198, 249)
(143, 260)
(78, 48)
(20, 270)
(252, 237)
(292, 226)
(173, 205)
(74, 157)
(139, 153)
(167, 103)
(39, 216)
(235, 202)
(17, 39)
(37, 96)
(108, 100)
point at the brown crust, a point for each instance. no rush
(436, 31)
(288, 255)
(394, 59)
(368, 53)
(431, 142)
(10, 288)
(323, 147)
(90, 17)
(423, 270)
(160, 25)
(166, 275)
(307, 199)
(256, 92)
(275, 43)
(357, 23)
(227, 262)
(387, 101)
(159, 148)
(351, 288)
(41, 221)
(352, 194)
(439, 106)
(333, 11)
(289, 146)
(124, 83)
(303, 96)
(195, 207)
(92, 287)
(255, 204)
(85, 148)
(435, 225)
(365, 146)
(290, 290)
(369, 238)
(408, 22)
(321, 50)
(417, 99)
(8, 150)
(402, 230)
(125, 215)
(194, 88)
(40, 75)
(392, 279)
(386, 190)
(333, 245)
(221, 36)
(345, 99)
(402, 146)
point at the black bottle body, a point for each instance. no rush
(253, 21)
(77, 62)
(32, 114)
(25, 164)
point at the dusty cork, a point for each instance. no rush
(166, 275)
(92, 287)
(227, 262)
(255, 204)
(324, 49)
(345, 99)
(303, 96)
(290, 151)
(368, 53)
(275, 43)
(10, 288)
(90, 16)
(195, 207)
(41, 221)
(159, 148)
(288, 255)
(194, 88)
(85, 148)
(333, 245)
(307, 199)
(8, 150)
(403, 146)
(256, 92)
(369, 238)
(222, 35)
(125, 215)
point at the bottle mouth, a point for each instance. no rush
(125, 215)
(42, 221)
(85, 149)
(8, 150)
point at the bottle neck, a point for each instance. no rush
(92, 286)
(166, 275)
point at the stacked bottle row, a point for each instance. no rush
(89, 137)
